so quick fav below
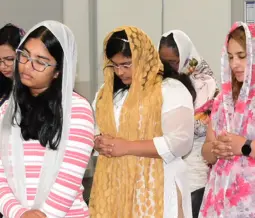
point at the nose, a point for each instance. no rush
(120, 71)
(2, 65)
(28, 65)
(236, 62)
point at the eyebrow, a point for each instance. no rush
(39, 56)
(8, 57)
(123, 63)
(240, 52)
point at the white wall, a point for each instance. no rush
(205, 21)
(145, 14)
(76, 15)
(27, 13)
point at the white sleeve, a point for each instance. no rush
(177, 122)
(97, 132)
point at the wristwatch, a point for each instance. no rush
(246, 149)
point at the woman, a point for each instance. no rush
(10, 37)
(144, 133)
(177, 50)
(47, 130)
(229, 144)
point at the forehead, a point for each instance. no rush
(120, 59)
(36, 47)
(167, 53)
(234, 46)
(6, 50)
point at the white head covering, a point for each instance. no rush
(11, 143)
(202, 78)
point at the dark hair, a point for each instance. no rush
(118, 43)
(169, 72)
(41, 117)
(170, 43)
(9, 35)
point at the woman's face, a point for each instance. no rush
(7, 57)
(237, 59)
(168, 55)
(123, 68)
(36, 66)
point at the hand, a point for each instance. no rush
(101, 147)
(33, 214)
(236, 143)
(221, 147)
(117, 147)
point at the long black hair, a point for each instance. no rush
(118, 44)
(9, 35)
(41, 116)
(170, 72)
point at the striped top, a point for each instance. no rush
(65, 198)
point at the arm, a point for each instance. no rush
(9, 206)
(177, 139)
(208, 145)
(68, 182)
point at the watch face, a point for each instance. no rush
(246, 150)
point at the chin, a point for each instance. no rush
(26, 83)
(240, 79)
(127, 82)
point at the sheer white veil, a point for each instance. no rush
(11, 144)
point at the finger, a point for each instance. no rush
(223, 147)
(224, 138)
(106, 154)
(107, 142)
(107, 150)
(40, 213)
(99, 147)
(222, 154)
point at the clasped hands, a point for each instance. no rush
(228, 145)
(110, 146)
(33, 214)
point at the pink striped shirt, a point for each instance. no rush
(65, 198)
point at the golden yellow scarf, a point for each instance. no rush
(130, 186)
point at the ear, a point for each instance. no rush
(56, 75)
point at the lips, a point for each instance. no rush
(7, 73)
(26, 76)
(239, 72)
(124, 78)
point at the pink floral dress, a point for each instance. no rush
(230, 191)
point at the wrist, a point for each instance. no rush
(129, 147)
(246, 149)
(242, 143)
(252, 154)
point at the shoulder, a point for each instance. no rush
(175, 95)
(82, 107)
(80, 100)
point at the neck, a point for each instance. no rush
(36, 92)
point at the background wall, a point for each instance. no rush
(27, 13)
(206, 22)
(145, 14)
